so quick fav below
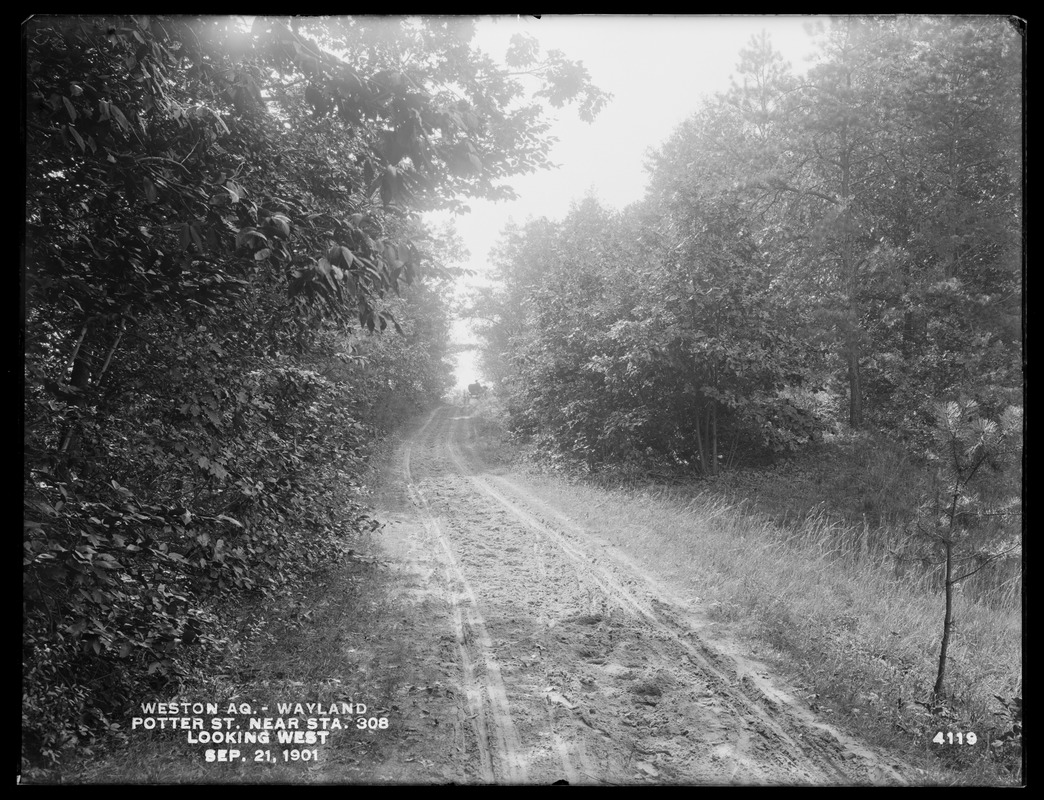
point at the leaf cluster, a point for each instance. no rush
(221, 218)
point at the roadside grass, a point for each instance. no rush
(862, 644)
(869, 488)
(794, 560)
(864, 478)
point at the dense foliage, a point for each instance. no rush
(219, 212)
(829, 251)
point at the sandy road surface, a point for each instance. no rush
(563, 660)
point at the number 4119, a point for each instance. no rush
(955, 738)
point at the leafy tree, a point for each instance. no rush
(561, 394)
(806, 153)
(852, 233)
(735, 341)
(943, 318)
(618, 347)
(841, 177)
(216, 210)
(502, 312)
(968, 523)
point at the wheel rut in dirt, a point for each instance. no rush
(578, 665)
(494, 732)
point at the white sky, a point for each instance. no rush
(657, 68)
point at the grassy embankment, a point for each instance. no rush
(795, 560)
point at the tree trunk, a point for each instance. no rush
(713, 423)
(948, 592)
(699, 443)
(69, 441)
(947, 619)
(88, 367)
(849, 271)
(855, 387)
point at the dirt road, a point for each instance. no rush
(557, 658)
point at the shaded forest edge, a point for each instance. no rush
(818, 253)
(223, 215)
(817, 309)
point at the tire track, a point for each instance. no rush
(620, 597)
(490, 715)
(598, 577)
(575, 662)
(574, 764)
(798, 742)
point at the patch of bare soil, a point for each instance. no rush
(535, 653)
